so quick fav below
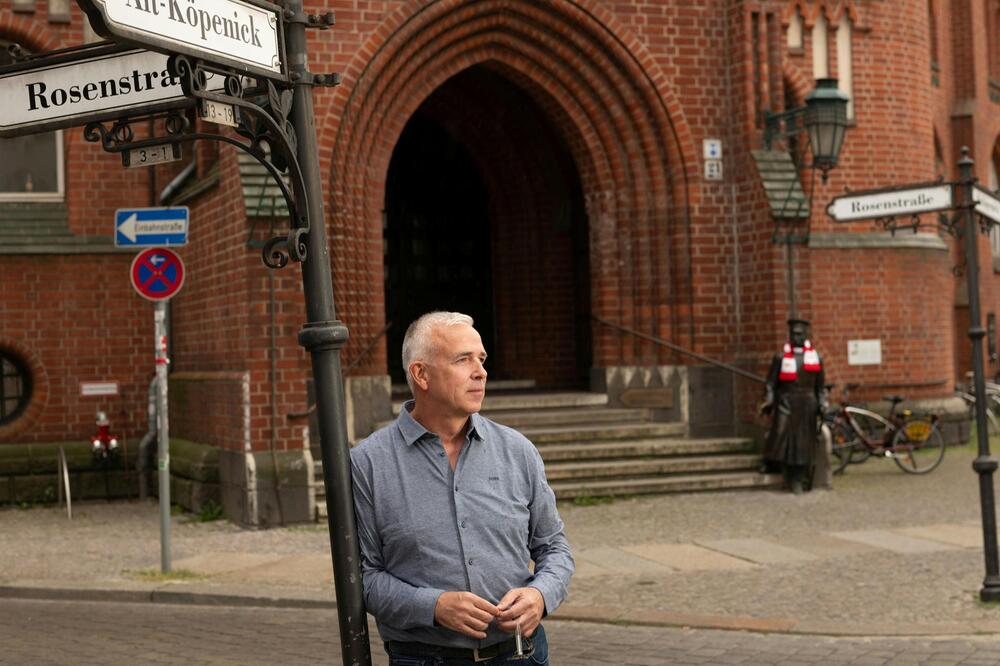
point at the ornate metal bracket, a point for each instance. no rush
(270, 138)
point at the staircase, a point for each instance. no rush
(594, 451)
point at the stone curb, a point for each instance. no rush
(568, 612)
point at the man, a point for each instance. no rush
(797, 395)
(452, 508)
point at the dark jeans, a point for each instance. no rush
(540, 657)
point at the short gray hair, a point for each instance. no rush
(417, 345)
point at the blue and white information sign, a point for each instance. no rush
(151, 227)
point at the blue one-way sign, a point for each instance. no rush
(151, 227)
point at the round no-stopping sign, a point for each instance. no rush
(157, 273)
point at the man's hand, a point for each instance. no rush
(465, 613)
(523, 605)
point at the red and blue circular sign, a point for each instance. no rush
(157, 273)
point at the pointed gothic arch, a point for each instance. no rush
(603, 92)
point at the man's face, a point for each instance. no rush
(456, 378)
(798, 335)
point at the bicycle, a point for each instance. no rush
(914, 442)
(992, 406)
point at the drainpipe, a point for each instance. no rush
(147, 440)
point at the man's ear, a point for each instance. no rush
(418, 370)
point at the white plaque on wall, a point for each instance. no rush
(864, 352)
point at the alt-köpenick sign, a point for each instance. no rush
(889, 203)
(101, 84)
(234, 33)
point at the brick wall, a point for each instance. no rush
(621, 96)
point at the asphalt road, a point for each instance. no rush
(72, 632)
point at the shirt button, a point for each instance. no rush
(456, 489)
(463, 523)
(441, 454)
(470, 560)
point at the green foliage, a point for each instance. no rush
(587, 499)
(152, 575)
(210, 511)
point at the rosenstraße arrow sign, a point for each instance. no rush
(909, 200)
(91, 84)
(988, 205)
(239, 34)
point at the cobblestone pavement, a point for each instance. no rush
(883, 550)
(58, 632)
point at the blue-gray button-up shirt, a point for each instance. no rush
(425, 529)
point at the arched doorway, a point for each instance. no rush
(484, 214)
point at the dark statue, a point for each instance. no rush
(797, 397)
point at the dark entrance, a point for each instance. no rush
(484, 215)
(437, 235)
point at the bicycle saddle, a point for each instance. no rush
(894, 399)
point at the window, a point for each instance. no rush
(820, 47)
(32, 166)
(794, 34)
(845, 65)
(15, 387)
(993, 183)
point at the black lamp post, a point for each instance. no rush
(824, 120)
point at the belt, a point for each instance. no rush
(413, 649)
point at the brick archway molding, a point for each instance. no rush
(602, 90)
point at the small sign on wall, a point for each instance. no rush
(864, 352)
(92, 389)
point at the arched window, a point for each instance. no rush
(820, 47)
(32, 166)
(794, 34)
(993, 40)
(993, 183)
(932, 39)
(15, 386)
(845, 61)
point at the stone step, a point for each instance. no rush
(602, 432)
(643, 447)
(664, 484)
(567, 416)
(637, 467)
(533, 400)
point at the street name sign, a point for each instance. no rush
(91, 85)
(241, 34)
(157, 273)
(890, 202)
(988, 203)
(151, 227)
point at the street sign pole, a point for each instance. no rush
(968, 200)
(323, 336)
(162, 429)
(984, 464)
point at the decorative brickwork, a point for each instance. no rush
(585, 120)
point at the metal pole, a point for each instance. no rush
(984, 464)
(790, 257)
(323, 336)
(162, 433)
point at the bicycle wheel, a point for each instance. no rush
(841, 447)
(918, 446)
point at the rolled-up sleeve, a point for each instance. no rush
(547, 540)
(387, 597)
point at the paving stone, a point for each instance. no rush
(687, 557)
(620, 561)
(966, 536)
(897, 543)
(760, 551)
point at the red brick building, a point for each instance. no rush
(538, 164)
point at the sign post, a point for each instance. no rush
(157, 275)
(967, 198)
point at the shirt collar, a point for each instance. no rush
(412, 431)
